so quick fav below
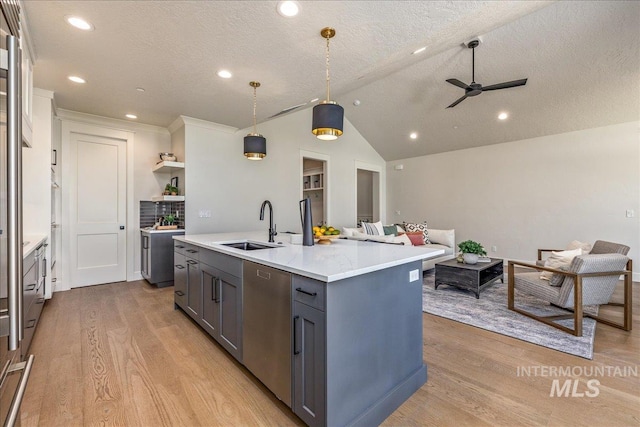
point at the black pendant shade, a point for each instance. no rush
(255, 146)
(328, 116)
(327, 121)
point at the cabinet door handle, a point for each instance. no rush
(180, 246)
(31, 324)
(312, 294)
(179, 267)
(214, 289)
(189, 261)
(179, 293)
(192, 251)
(295, 336)
(40, 301)
(31, 287)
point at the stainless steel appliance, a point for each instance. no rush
(266, 339)
(156, 257)
(14, 373)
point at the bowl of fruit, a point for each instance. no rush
(323, 234)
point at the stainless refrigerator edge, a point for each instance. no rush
(14, 372)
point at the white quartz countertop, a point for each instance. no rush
(152, 230)
(32, 242)
(339, 260)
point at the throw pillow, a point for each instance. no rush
(403, 238)
(375, 238)
(416, 237)
(348, 232)
(586, 247)
(373, 228)
(558, 260)
(390, 229)
(410, 226)
(443, 237)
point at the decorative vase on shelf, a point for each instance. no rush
(470, 258)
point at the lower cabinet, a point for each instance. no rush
(222, 307)
(180, 280)
(194, 288)
(212, 294)
(309, 351)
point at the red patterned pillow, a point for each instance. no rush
(422, 227)
(416, 237)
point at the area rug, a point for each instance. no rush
(490, 312)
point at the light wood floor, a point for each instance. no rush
(119, 354)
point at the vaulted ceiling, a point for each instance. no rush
(582, 60)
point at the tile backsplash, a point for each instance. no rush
(151, 212)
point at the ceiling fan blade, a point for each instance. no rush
(506, 85)
(458, 101)
(458, 83)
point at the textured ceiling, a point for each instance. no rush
(582, 60)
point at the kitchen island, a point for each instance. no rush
(334, 331)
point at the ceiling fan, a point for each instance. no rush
(474, 88)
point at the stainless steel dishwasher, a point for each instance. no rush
(267, 326)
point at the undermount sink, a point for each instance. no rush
(250, 246)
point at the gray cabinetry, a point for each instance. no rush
(222, 301)
(309, 364)
(211, 284)
(180, 280)
(210, 299)
(194, 288)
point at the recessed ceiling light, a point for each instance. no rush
(356, 102)
(288, 8)
(224, 74)
(140, 89)
(131, 116)
(422, 49)
(413, 135)
(315, 100)
(79, 23)
(77, 79)
(503, 116)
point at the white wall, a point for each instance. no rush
(36, 175)
(142, 183)
(528, 194)
(219, 178)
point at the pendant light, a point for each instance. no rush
(327, 115)
(255, 145)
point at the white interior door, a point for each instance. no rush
(98, 209)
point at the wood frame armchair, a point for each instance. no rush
(590, 280)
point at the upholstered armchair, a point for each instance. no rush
(590, 280)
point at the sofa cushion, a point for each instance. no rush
(411, 226)
(448, 250)
(443, 237)
(348, 232)
(375, 238)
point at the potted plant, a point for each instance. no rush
(167, 190)
(174, 191)
(471, 251)
(169, 219)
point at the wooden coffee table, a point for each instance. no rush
(474, 277)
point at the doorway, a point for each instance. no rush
(315, 186)
(367, 196)
(95, 204)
